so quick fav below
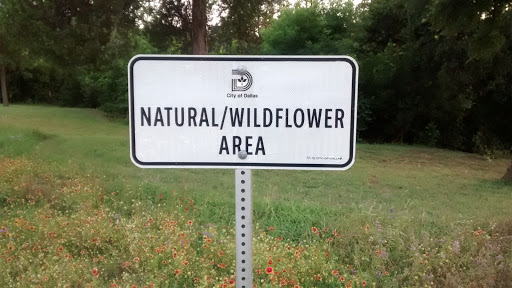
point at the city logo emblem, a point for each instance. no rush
(241, 80)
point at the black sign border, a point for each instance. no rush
(253, 59)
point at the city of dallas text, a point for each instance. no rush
(229, 117)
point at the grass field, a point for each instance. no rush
(402, 216)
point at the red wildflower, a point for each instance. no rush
(270, 262)
(269, 270)
(177, 272)
(363, 282)
(95, 272)
(271, 228)
(342, 279)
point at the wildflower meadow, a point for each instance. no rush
(65, 231)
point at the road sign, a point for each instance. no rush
(247, 112)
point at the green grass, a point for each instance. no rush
(416, 193)
(400, 185)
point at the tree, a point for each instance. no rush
(199, 21)
(437, 72)
(312, 30)
(56, 46)
(238, 30)
(169, 26)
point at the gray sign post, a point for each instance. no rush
(243, 200)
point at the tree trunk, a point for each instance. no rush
(3, 81)
(5, 100)
(199, 27)
(508, 176)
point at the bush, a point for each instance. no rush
(487, 145)
(430, 136)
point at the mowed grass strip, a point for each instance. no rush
(414, 187)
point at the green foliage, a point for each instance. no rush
(298, 31)
(312, 30)
(430, 136)
(75, 53)
(106, 88)
(168, 26)
(239, 25)
(420, 63)
(444, 67)
(487, 144)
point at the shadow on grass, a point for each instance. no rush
(16, 142)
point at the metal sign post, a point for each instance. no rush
(243, 200)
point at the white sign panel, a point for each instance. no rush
(282, 112)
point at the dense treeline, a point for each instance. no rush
(432, 72)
